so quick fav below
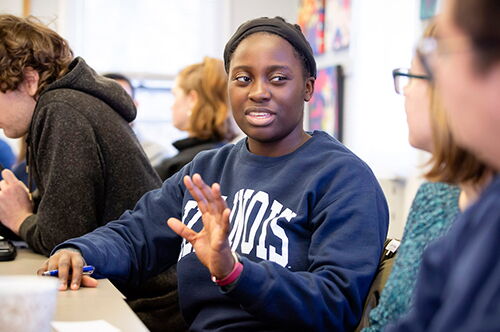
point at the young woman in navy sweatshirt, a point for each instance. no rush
(289, 235)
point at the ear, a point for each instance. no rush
(309, 90)
(30, 81)
(192, 98)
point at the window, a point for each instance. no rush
(149, 41)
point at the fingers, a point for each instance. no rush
(218, 200)
(219, 205)
(9, 177)
(196, 193)
(63, 266)
(21, 183)
(209, 199)
(45, 267)
(69, 264)
(225, 220)
(212, 200)
(76, 276)
(207, 193)
(182, 230)
(88, 281)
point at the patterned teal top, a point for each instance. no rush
(433, 210)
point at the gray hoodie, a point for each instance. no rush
(83, 157)
(89, 168)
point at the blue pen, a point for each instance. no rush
(87, 269)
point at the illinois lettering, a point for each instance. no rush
(255, 226)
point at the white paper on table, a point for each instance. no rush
(85, 326)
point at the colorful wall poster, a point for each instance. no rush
(325, 107)
(312, 21)
(337, 24)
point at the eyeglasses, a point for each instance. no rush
(402, 77)
(427, 50)
(430, 50)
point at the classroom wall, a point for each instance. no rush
(375, 128)
(382, 38)
(383, 35)
(14, 7)
(239, 11)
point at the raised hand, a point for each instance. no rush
(211, 244)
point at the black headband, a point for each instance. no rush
(278, 26)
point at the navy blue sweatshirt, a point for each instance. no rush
(309, 227)
(459, 283)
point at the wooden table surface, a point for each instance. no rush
(102, 303)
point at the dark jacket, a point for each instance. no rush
(188, 149)
(83, 157)
(89, 168)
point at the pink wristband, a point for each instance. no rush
(231, 277)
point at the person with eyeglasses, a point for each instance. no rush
(454, 179)
(458, 288)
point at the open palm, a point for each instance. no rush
(211, 244)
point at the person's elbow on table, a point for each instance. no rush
(69, 263)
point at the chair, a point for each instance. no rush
(384, 270)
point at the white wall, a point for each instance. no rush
(383, 38)
(14, 7)
(239, 11)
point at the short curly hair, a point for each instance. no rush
(26, 42)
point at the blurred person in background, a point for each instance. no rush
(458, 288)
(154, 151)
(456, 179)
(201, 109)
(72, 118)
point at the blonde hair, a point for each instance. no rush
(26, 42)
(210, 116)
(449, 162)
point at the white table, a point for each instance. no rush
(102, 303)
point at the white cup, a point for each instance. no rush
(27, 303)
